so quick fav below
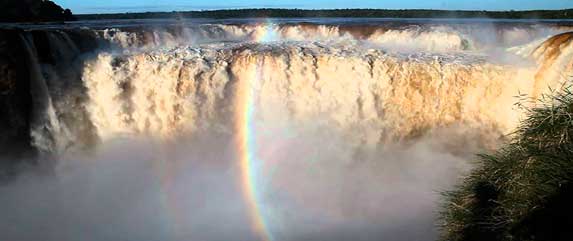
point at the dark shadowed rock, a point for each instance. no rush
(33, 11)
(15, 103)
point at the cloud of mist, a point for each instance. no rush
(316, 185)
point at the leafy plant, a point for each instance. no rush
(523, 191)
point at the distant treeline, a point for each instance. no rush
(338, 13)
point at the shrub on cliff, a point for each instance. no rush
(32, 11)
(524, 191)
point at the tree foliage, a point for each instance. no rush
(32, 11)
(339, 13)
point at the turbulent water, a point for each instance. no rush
(351, 130)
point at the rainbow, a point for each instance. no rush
(246, 145)
(266, 33)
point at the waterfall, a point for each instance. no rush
(266, 131)
(47, 133)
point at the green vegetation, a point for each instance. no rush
(525, 190)
(32, 11)
(338, 13)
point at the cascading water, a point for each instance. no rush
(268, 131)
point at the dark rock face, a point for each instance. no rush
(33, 11)
(39, 69)
(15, 103)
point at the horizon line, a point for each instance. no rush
(308, 9)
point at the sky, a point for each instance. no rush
(120, 6)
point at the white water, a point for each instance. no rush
(360, 129)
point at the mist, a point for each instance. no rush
(316, 186)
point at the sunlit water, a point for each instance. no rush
(269, 129)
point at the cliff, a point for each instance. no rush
(14, 102)
(21, 94)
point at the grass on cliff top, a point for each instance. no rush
(523, 191)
